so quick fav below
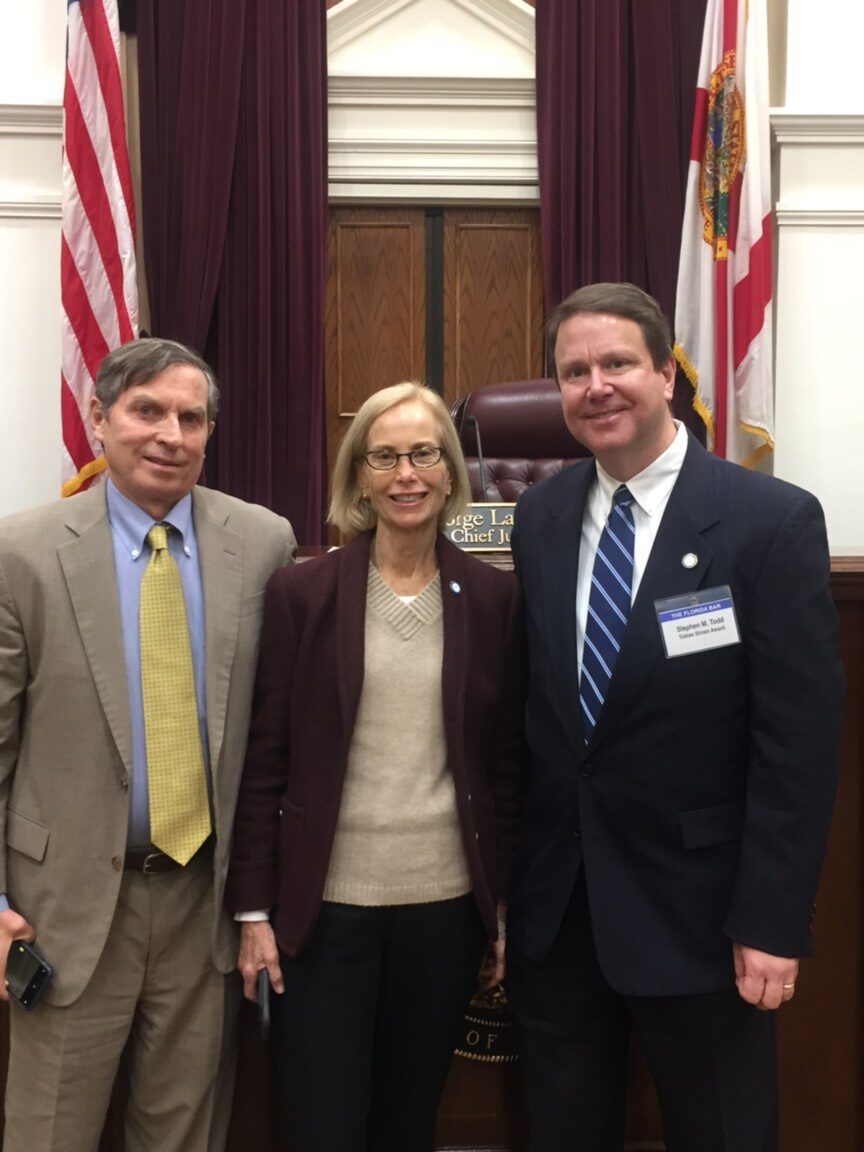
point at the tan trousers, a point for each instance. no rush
(155, 986)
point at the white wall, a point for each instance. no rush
(820, 252)
(31, 89)
(32, 51)
(820, 308)
(820, 208)
(823, 55)
(432, 100)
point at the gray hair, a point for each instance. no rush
(349, 512)
(141, 361)
(624, 300)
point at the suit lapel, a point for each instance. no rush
(691, 510)
(352, 582)
(87, 561)
(220, 557)
(558, 549)
(454, 602)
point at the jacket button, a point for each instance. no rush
(124, 784)
(577, 832)
(117, 862)
(585, 771)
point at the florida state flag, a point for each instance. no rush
(723, 309)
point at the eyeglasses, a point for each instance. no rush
(384, 459)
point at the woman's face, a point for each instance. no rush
(407, 499)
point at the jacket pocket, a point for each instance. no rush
(702, 827)
(26, 836)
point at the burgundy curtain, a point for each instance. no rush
(615, 86)
(234, 191)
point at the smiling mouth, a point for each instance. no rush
(605, 415)
(162, 463)
(409, 497)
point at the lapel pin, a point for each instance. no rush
(455, 586)
(689, 560)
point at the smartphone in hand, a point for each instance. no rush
(27, 974)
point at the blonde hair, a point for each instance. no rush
(349, 512)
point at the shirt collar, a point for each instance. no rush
(131, 524)
(651, 487)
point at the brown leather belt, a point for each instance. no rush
(151, 861)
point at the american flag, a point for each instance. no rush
(98, 289)
(723, 311)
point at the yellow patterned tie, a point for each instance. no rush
(179, 811)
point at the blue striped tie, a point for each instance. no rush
(608, 607)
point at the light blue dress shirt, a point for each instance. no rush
(129, 528)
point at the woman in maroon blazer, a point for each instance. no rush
(376, 814)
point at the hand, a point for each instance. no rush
(258, 951)
(492, 967)
(12, 927)
(764, 980)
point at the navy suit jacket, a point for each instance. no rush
(700, 805)
(307, 690)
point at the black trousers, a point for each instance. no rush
(712, 1057)
(365, 1029)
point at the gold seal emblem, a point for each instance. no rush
(724, 154)
(489, 1034)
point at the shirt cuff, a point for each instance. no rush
(4, 903)
(252, 917)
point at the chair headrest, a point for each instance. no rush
(520, 418)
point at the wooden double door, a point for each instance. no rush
(449, 296)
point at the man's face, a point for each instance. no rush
(614, 400)
(154, 438)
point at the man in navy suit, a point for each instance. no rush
(677, 815)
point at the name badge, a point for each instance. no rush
(697, 621)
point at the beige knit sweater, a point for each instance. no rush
(397, 837)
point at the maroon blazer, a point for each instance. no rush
(309, 679)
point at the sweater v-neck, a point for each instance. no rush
(406, 619)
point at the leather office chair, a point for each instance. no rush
(513, 435)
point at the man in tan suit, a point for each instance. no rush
(140, 944)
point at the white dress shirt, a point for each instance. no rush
(650, 490)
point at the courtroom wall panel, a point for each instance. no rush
(375, 308)
(493, 298)
(451, 296)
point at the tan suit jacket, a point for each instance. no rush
(65, 738)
